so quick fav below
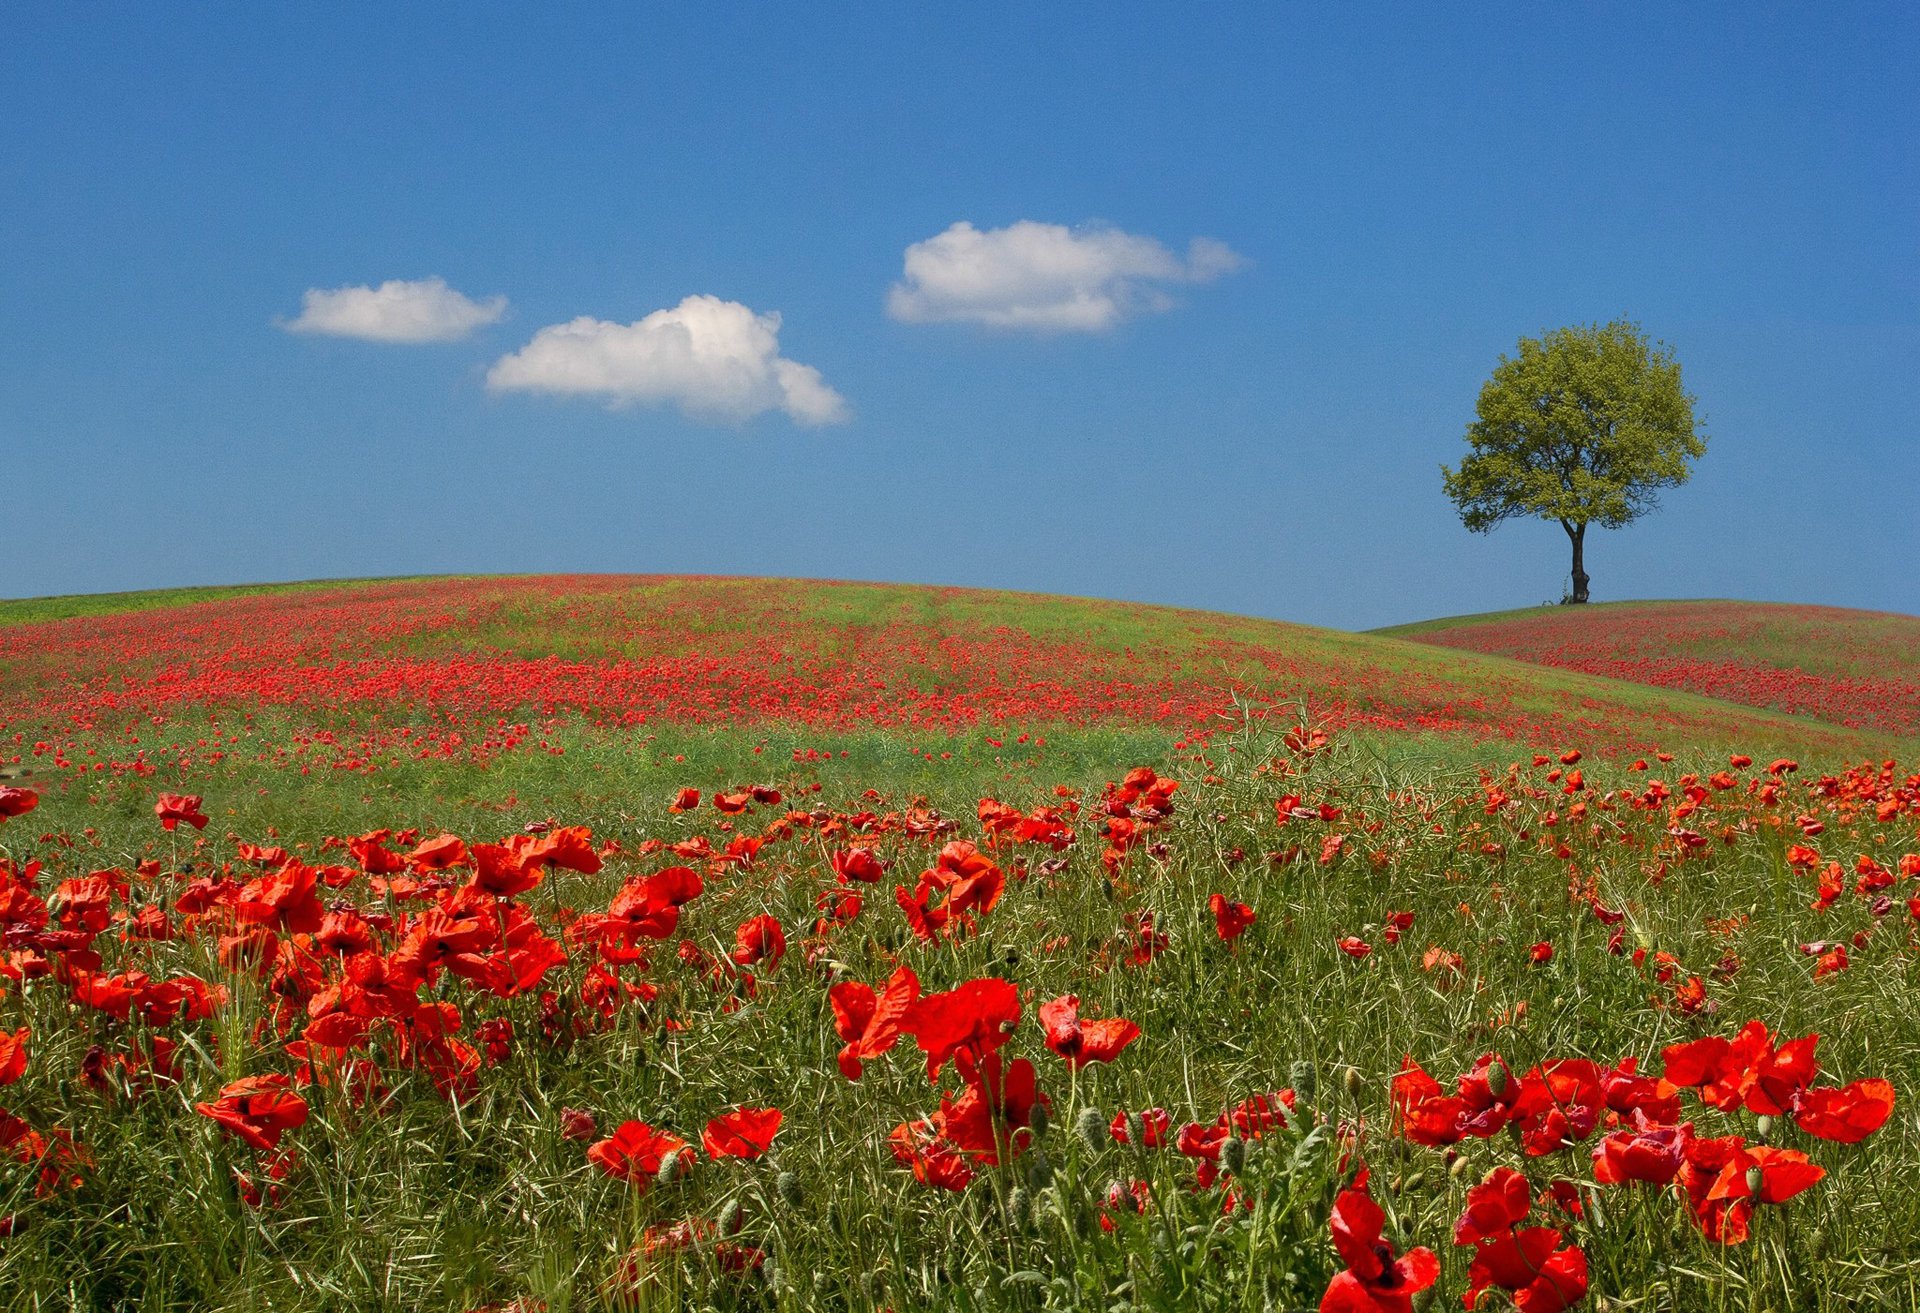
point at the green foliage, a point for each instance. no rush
(1584, 426)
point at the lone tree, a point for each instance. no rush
(1584, 426)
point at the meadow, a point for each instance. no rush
(647, 943)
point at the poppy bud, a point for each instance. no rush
(1460, 1169)
(1497, 1079)
(1091, 1127)
(1415, 1181)
(1039, 1170)
(877, 1284)
(672, 1167)
(1019, 1208)
(730, 1220)
(787, 1186)
(1304, 1080)
(1136, 1130)
(1038, 1120)
(1233, 1154)
(1353, 1082)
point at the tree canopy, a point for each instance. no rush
(1585, 425)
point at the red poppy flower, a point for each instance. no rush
(1649, 1153)
(1230, 919)
(18, 802)
(1355, 947)
(1847, 1115)
(1499, 1203)
(1559, 1103)
(871, 1025)
(650, 906)
(991, 1120)
(1083, 1041)
(570, 848)
(1195, 1140)
(173, 808)
(258, 1110)
(1718, 1182)
(13, 1055)
(685, 801)
(1539, 1276)
(935, 1162)
(857, 865)
(1251, 1118)
(1375, 1279)
(975, 1017)
(438, 854)
(758, 940)
(1540, 953)
(1427, 1115)
(1154, 1125)
(375, 858)
(633, 1153)
(732, 804)
(284, 901)
(742, 1133)
(502, 871)
(1746, 1070)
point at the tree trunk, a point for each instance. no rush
(1578, 532)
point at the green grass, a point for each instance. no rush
(430, 1206)
(32, 610)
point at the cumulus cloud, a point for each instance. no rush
(1046, 277)
(422, 310)
(716, 360)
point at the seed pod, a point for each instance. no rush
(1304, 1079)
(1763, 1128)
(787, 1186)
(1091, 1127)
(1233, 1154)
(730, 1220)
(1755, 1179)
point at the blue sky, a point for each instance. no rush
(1406, 195)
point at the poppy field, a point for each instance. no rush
(1856, 668)
(617, 944)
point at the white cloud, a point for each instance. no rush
(426, 310)
(1046, 277)
(714, 359)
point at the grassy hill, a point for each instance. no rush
(371, 673)
(1852, 668)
